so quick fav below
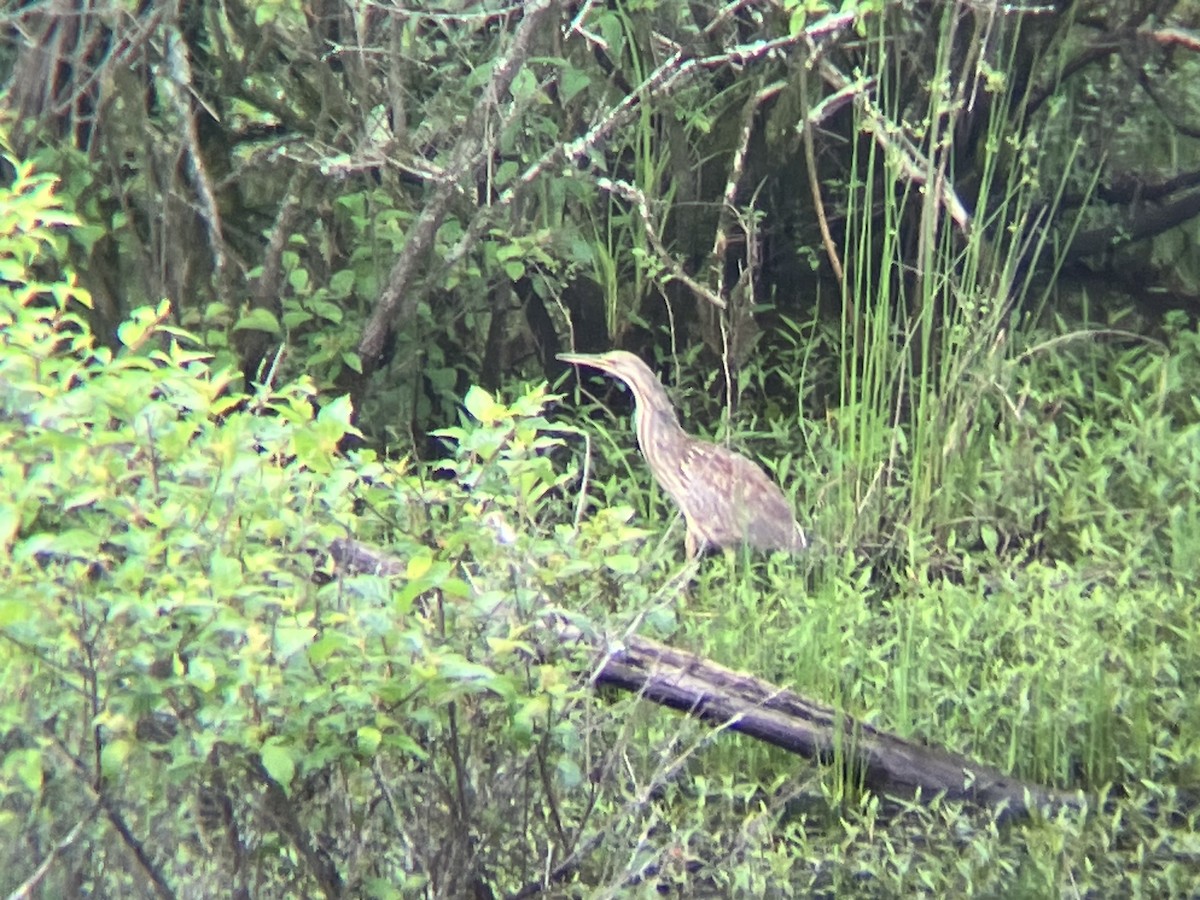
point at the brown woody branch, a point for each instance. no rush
(397, 294)
(1138, 225)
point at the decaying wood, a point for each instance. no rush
(890, 765)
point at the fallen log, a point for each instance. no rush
(889, 765)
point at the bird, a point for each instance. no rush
(727, 501)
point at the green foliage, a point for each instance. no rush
(194, 695)
(192, 690)
(1053, 638)
(158, 580)
(1033, 488)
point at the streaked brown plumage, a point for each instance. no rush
(726, 499)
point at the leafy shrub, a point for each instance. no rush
(194, 693)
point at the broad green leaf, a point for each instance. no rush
(132, 332)
(368, 739)
(278, 762)
(290, 640)
(14, 611)
(265, 12)
(341, 283)
(483, 406)
(405, 744)
(530, 714)
(298, 279)
(258, 320)
(26, 765)
(454, 587)
(202, 674)
(225, 574)
(323, 648)
(622, 563)
(114, 755)
(418, 566)
(457, 668)
(991, 540)
(573, 81)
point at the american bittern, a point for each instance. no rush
(726, 499)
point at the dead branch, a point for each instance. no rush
(889, 764)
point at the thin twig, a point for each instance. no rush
(814, 185)
(627, 191)
(736, 168)
(892, 138)
(26, 887)
(179, 88)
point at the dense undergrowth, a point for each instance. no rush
(195, 699)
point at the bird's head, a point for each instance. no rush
(647, 391)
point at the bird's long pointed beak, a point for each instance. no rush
(595, 360)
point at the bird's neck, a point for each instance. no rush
(659, 421)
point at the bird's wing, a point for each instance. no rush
(730, 500)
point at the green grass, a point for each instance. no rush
(1045, 625)
(1005, 505)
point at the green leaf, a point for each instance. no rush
(258, 320)
(277, 760)
(26, 765)
(14, 611)
(114, 755)
(623, 564)
(661, 620)
(290, 640)
(340, 411)
(265, 12)
(532, 712)
(132, 332)
(991, 540)
(405, 744)
(225, 574)
(457, 668)
(455, 587)
(202, 674)
(483, 406)
(294, 318)
(418, 566)
(573, 81)
(298, 279)
(341, 283)
(368, 739)
(509, 252)
(507, 646)
(323, 648)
